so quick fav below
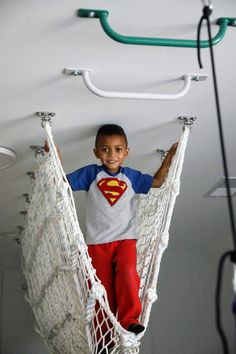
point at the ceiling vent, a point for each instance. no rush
(220, 191)
(7, 157)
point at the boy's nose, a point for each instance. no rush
(111, 153)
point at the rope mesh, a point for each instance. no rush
(155, 211)
(69, 302)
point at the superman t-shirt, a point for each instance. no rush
(111, 203)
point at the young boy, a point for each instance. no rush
(111, 223)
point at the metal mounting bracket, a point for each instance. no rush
(73, 72)
(199, 77)
(22, 287)
(24, 213)
(26, 196)
(21, 229)
(163, 153)
(186, 120)
(31, 174)
(45, 117)
(38, 150)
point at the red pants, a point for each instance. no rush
(115, 265)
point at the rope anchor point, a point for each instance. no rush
(186, 120)
(45, 117)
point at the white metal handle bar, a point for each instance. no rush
(187, 78)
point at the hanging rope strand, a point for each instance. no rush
(207, 10)
(222, 143)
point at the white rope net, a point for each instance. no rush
(69, 302)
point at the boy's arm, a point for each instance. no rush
(160, 176)
(46, 148)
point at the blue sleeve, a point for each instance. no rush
(141, 183)
(82, 178)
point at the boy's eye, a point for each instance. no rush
(107, 150)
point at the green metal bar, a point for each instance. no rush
(102, 15)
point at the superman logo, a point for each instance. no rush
(112, 189)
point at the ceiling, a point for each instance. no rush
(41, 38)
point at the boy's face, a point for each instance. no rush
(111, 151)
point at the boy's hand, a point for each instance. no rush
(167, 161)
(160, 175)
(46, 148)
(172, 150)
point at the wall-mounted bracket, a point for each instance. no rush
(102, 15)
(187, 78)
(20, 229)
(31, 174)
(186, 120)
(17, 240)
(24, 213)
(199, 77)
(38, 150)
(73, 72)
(45, 117)
(231, 21)
(162, 153)
(26, 196)
(22, 287)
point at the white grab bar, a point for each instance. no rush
(187, 78)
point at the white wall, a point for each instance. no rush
(17, 333)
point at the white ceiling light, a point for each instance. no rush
(7, 157)
(219, 190)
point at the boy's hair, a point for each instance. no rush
(110, 129)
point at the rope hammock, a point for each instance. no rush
(69, 302)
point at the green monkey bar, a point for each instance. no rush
(223, 22)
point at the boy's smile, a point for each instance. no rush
(111, 150)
